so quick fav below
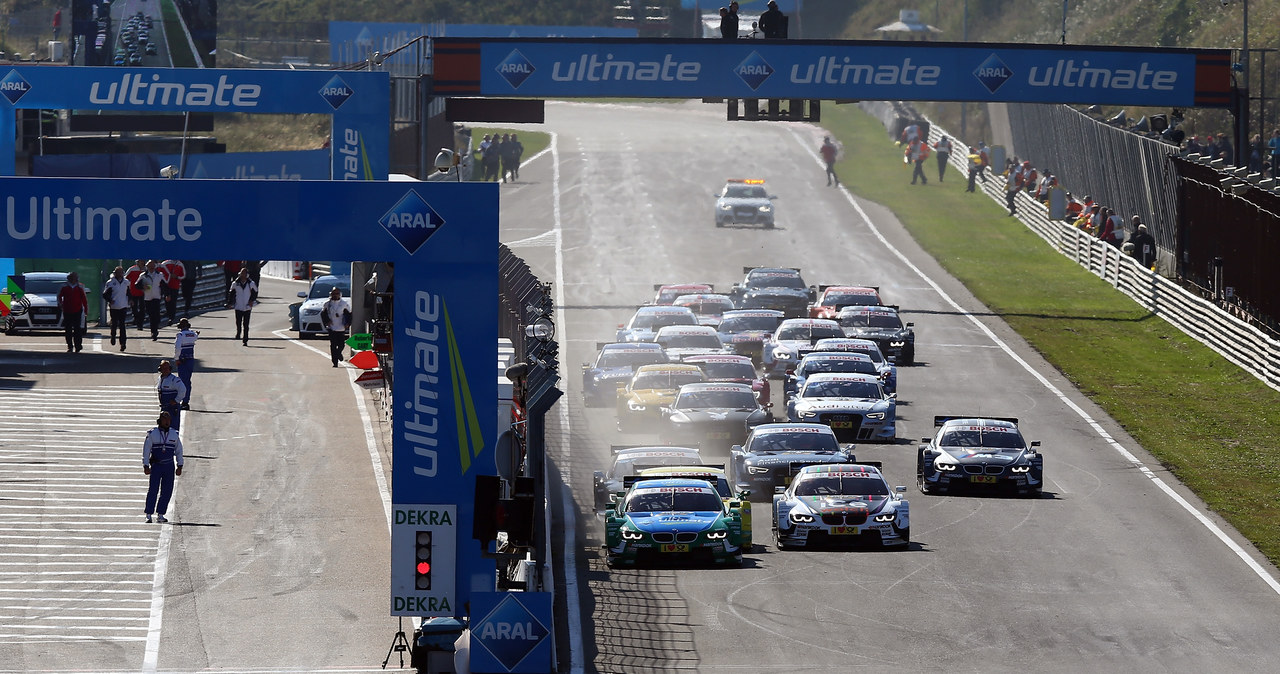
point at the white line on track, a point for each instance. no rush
(1102, 433)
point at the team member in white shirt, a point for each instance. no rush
(152, 282)
(244, 292)
(336, 317)
(116, 292)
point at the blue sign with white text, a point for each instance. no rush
(511, 632)
(284, 165)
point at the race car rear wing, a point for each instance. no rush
(676, 472)
(795, 467)
(823, 286)
(748, 270)
(660, 286)
(622, 448)
(940, 420)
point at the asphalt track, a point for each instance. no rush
(1117, 568)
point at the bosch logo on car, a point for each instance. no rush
(992, 73)
(132, 90)
(411, 221)
(515, 69)
(335, 92)
(14, 87)
(754, 70)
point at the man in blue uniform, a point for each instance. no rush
(171, 391)
(161, 460)
(184, 355)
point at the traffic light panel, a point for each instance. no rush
(771, 109)
(422, 565)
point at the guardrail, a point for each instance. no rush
(1244, 345)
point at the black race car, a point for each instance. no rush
(614, 365)
(779, 288)
(979, 452)
(883, 326)
(774, 453)
(713, 415)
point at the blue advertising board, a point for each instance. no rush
(443, 238)
(511, 632)
(832, 70)
(357, 100)
(351, 41)
(284, 165)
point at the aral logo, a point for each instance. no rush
(336, 92)
(510, 632)
(515, 69)
(14, 87)
(411, 221)
(754, 70)
(993, 73)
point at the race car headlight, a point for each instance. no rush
(628, 535)
(876, 416)
(945, 467)
(766, 209)
(782, 354)
(886, 517)
(897, 342)
(310, 312)
(717, 535)
(807, 415)
(635, 406)
(1020, 469)
(801, 517)
(757, 470)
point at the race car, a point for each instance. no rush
(826, 361)
(794, 338)
(645, 322)
(744, 331)
(716, 476)
(630, 460)
(666, 294)
(680, 341)
(708, 307)
(773, 453)
(616, 363)
(855, 406)
(888, 371)
(672, 519)
(778, 288)
(841, 504)
(732, 368)
(981, 452)
(652, 387)
(744, 200)
(833, 298)
(883, 326)
(712, 415)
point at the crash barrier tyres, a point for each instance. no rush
(1234, 339)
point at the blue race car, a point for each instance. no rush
(615, 364)
(677, 519)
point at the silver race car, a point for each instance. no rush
(840, 504)
(979, 452)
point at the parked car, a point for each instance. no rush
(309, 324)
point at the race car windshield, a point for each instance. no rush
(794, 442)
(321, 289)
(985, 440)
(809, 333)
(705, 399)
(840, 486)
(745, 323)
(691, 341)
(632, 359)
(671, 501)
(659, 380)
(842, 300)
(775, 281)
(43, 286)
(837, 366)
(713, 307)
(870, 321)
(729, 370)
(842, 389)
(745, 192)
(655, 321)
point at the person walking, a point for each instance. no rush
(72, 302)
(137, 306)
(974, 163)
(184, 356)
(773, 23)
(1144, 245)
(174, 271)
(170, 391)
(493, 158)
(161, 461)
(192, 268)
(336, 317)
(230, 270)
(152, 284)
(943, 148)
(243, 293)
(918, 152)
(116, 292)
(514, 149)
(830, 151)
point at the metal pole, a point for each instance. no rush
(1242, 125)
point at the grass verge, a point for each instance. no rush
(1216, 427)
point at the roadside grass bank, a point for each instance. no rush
(1216, 427)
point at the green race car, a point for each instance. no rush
(675, 519)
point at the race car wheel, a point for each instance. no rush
(719, 223)
(768, 225)
(924, 486)
(908, 357)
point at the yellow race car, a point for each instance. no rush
(652, 387)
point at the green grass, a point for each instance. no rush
(1215, 426)
(179, 50)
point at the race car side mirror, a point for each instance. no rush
(1035, 443)
(735, 449)
(911, 325)
(900, 489)
(779, 490)
(302, 293)
(925, 440)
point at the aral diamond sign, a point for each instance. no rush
(411, 221)
(513, 635)
(14, 87)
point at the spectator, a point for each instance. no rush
(230, 270)
(1117, 227)
(1225, 150)
(485, 144)
(243, 293)
(1108, 231)
(909, 134)
(984, 156)
(737, 20)
(974, 162)
(508, 148)
(830, 152)
(943, 148)
(1274, 145)
(57, 24)
(184, 356)
(192, 268)
(1144, 246)
(116, 293)
(493, 158)
(161, 461)
(1256, 151)
(918, 152)
(255, 270)
(73, 300)
(728, 25)
(336, 317)
(773, 23)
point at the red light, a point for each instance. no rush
(424, 567)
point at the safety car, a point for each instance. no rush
(715, 475)
(646, 321)
(888, 371)
(713, 415)
(313, 301)
(794, 338)
(779, 288)
(855, 406)
(833, 298)
(826, 361)
(680, 341)
(980, 452)
(882, 325)
(773, 453)
(732, 368)
(744, 331)
(630, 460)
(674, 519)
(653, 387)
(667, 293)
(841, 504)
(616, 363)
(39, 303)
(744, 200)
(708, 307)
